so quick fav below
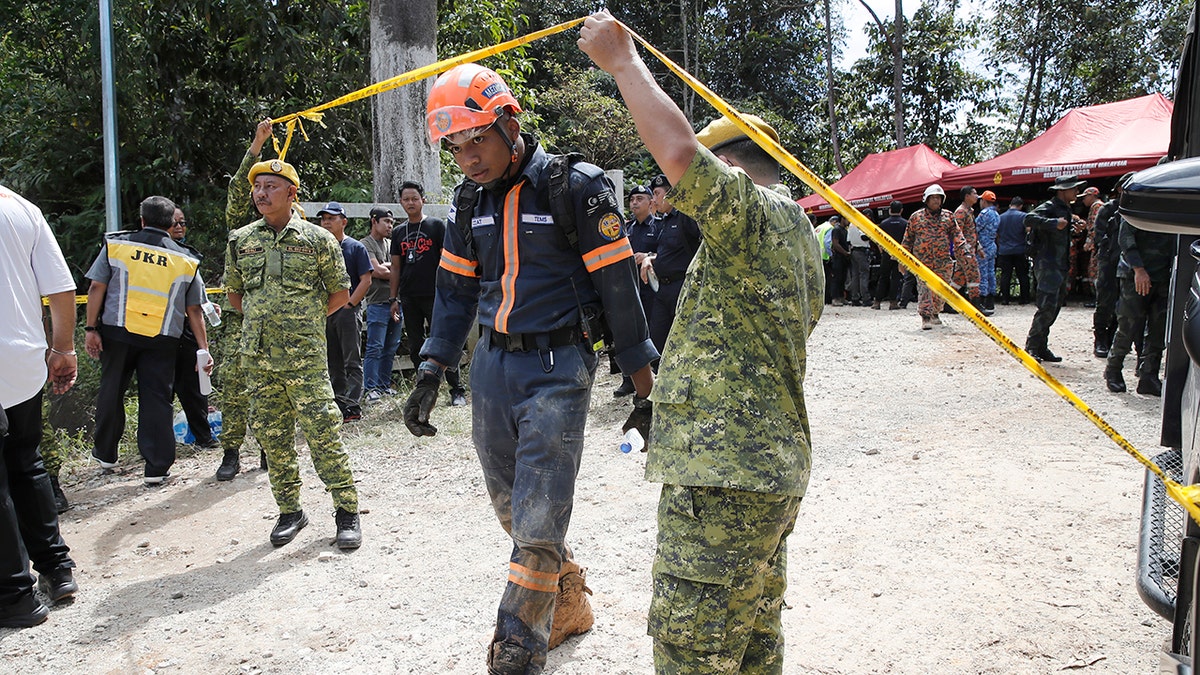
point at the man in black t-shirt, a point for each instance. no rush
(416, 251)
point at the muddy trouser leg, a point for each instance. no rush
(719, 575)
(528, 415)
(1051, 293)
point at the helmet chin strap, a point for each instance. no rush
(512, 160)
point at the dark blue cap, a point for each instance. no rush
(333, 208)
(639, 189)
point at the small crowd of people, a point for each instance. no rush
(988, 254)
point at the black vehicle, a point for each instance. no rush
(1166, 198)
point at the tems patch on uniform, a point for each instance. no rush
(610, 226)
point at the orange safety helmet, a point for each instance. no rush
(466, 98)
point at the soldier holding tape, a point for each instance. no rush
(731, 436)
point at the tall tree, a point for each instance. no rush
(403, 37)
(829, 94)
(895, 42)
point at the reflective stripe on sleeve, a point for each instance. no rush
(607, 254)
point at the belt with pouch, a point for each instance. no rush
(525, 342)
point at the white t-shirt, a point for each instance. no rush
(31, 266)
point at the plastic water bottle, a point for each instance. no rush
(214, 421)
(183, 433)
(203, 358)
(633, 441)
(211, 312)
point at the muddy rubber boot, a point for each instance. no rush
(572, 611)
(506, 658)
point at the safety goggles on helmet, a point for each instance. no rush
(465, 101)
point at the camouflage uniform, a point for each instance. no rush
(1155, 252)
(235, 399)
(1089, 243)
(928, 237)
(730, 435)
(1051, 253)
(286, 280)
(966, 271)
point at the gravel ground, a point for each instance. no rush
(961, 519)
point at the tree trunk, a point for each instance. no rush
(403, 37)
(898, 73)
(835, 145)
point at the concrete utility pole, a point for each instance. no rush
(403, 37)
(112, 198)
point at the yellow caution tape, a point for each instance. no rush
(411, 76)
(82, 299)
(1187, 496)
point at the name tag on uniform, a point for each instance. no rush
(250, 250)
(305, 250)
(537, 219)
(482, 221)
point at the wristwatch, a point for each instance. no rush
(89, 329)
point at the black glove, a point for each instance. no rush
(640, 419)
(420, 403)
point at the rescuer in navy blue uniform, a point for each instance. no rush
(678, 240)
(642, 230)
(540, 300)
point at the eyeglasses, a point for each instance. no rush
(179, 223)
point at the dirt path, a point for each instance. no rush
(961, 518)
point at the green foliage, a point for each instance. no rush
(578, 117)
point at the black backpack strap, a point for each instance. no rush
(561, 206)
(465, 201)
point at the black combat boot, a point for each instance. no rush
(288, 527)
(1102, 344)
(1150, 386)
(230, 465)
(58, 585)
(1114, 379)
(349, 533)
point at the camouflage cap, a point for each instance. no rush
(275, 167)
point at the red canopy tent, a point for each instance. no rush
(881, 177)
(1092, 142)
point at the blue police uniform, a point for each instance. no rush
(643, 238)
(678, 240)
(532, 372)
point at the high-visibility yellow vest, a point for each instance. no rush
(154, 276)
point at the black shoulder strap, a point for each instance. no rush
(561, 206)
(464, 212)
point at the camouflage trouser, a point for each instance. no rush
(280, 400)
(928, 302)
(235, 399)
(1134, 312)
(719, 577)
(1051, 293)
(50, 449)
